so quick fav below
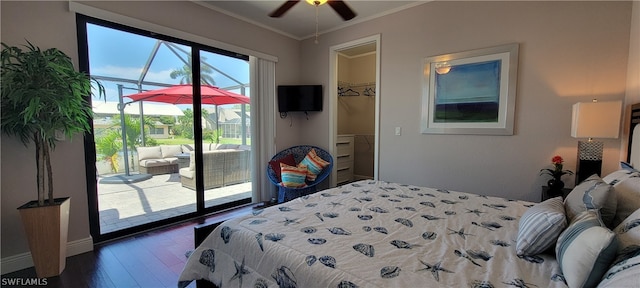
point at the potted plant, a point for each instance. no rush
(43, 98)
(556, 184)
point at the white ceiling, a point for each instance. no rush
(300, 21)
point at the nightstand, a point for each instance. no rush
(546, 195)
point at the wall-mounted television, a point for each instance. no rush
(299, 98)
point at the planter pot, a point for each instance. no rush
(47, 228)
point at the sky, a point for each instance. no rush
(120, 54)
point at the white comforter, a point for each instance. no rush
(374, 234)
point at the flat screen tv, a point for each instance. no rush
(299, 98)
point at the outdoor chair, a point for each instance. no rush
(298, 152)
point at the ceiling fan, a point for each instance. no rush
(339, 6)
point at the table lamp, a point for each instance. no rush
(593, 120)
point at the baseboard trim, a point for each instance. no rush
(23, 260)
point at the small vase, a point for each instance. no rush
(555, 185)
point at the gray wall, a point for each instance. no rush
(569, 52)
(50, 24)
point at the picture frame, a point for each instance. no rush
(471, 92)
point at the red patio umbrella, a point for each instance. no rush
(183, 94)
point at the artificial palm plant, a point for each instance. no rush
(42, 96)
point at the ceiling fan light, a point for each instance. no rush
(316, 2)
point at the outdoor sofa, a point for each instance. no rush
(223, 165)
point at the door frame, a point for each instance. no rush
(333, 100)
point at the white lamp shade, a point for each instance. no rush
(596, 119)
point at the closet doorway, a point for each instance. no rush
(355, 98)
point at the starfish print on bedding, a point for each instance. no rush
(460, 233)
(288, 221)
(519, 283)
(434, 269)
(475, 211)
(334, 204)
(240, 271)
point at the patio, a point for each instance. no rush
(126, 205)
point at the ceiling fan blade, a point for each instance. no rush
(283, 8)
(342, 9)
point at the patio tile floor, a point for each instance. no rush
(162, 196)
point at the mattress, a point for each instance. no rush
(374, 234)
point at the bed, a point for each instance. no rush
(380, 234)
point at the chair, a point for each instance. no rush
(299, 152)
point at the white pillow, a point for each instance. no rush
(540, 227)
(616, 176)
(627, 193)
(592, 193)
(170, 150)
(628, 233)
(149, 153)
(625, 273)
(585, 250)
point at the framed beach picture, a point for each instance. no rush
(470, 92)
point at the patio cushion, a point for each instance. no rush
(227, 146)
(170, 150)
(155, 162)
(149, 153)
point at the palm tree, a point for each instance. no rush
(109, 146)
(186, 73)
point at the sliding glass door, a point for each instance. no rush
(171, 140)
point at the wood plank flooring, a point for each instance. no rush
(151, 259)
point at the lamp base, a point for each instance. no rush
(589, 160)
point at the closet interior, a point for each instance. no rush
(356, 116)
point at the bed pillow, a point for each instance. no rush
(627, 166)
(275, 164)
(627, 194)
(293, 176)
(625, 273)
(540, 227)
(628, 233)
(314, 164)
(585, 250)
(592, 193)
(617, 176)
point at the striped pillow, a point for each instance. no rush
(314, 164)
(585, 250)
(540, 227)
(292, 176)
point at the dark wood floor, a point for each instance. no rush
(151, 259)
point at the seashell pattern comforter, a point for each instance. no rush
(374, 234)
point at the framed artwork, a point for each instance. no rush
(472, 92)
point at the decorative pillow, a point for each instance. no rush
(625, 273)
(540, 227)
(314, 164)
(627, 166)
(592, 193)
(617, 176)
(628, 233)
(627, 194)
(170, 150)
(293, 176)
(145, 153)
(275, 164)
(585, 250)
